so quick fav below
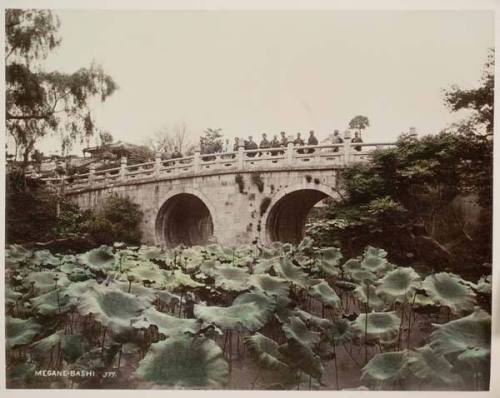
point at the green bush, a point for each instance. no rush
(116, 221)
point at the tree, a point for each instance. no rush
(167, 139)
(479, 100)
(211, 141)
(40, 102)
(359, 123)
(417, 200)
(106, 138)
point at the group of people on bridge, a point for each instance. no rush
(281, 142)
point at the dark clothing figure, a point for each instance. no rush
(299, 142)
(264, 144)
(250, 144)
(275, 144)
(312, 140)
(357, 139)
(284, 141)
(176, 155)
(336, 139)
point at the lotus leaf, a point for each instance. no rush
(340, 332)
(363, 276)
(20, 331)
(426, 363)
(379, 323)
(305, 244)
(374, 264)
(112, 307)
(368, 294)
(264, 302)
(264, 265)
(99, 259)
(177, 279)
(450, 290)
(148, 273)
(270, 284)
(329, 260)
(137, 290)
(323, 292)
(463, 334)
(314, 320)
(167, 324)
(301, 357)
(185, 362)
(231, 278)
(373, 251)
(351, 265)
(49, 342)
(386, 366)
(44, 258)
(296, 329)
(16, 255)
(484, 285)
(266, 352)
(399, 284)
(151, 253)
(247, 316)
(292, 273)
(45, 281)
(52, 302)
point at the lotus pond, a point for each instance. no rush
(249, 317)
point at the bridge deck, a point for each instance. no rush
(290, 158)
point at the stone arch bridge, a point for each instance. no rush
(230, 198)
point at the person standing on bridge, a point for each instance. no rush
(357, 139)
(311, 141)
(275, 143)
(251, 145)
(335, 139)
(264, 143)
(284, 140)
(176, 154)
(236, 144)
(299, 142)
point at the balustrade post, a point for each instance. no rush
(197, 160)
(290, 153)
(157, 163)
(123, 167)
(241, 156)
(347, 150)
(92, 174)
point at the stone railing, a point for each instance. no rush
(292, 157)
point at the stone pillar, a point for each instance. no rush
(290, 153)
(123, 167)
(92, 174)
(157, 163)
(347, 150)
(241, 156)
(197, 160)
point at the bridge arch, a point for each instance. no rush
(286, 215)
(185, 217)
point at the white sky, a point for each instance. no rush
(264, 71)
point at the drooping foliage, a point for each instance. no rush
(183, 318)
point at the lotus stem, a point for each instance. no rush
(366, 320)
(256, 378)
(409, 320)
(120, 356)
(335, 363)
(180, 303)
(350, 356)
(103, 340)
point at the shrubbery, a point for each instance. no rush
(36, 214)
(117, 220)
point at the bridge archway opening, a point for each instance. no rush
(287, 217)
(184, 219)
